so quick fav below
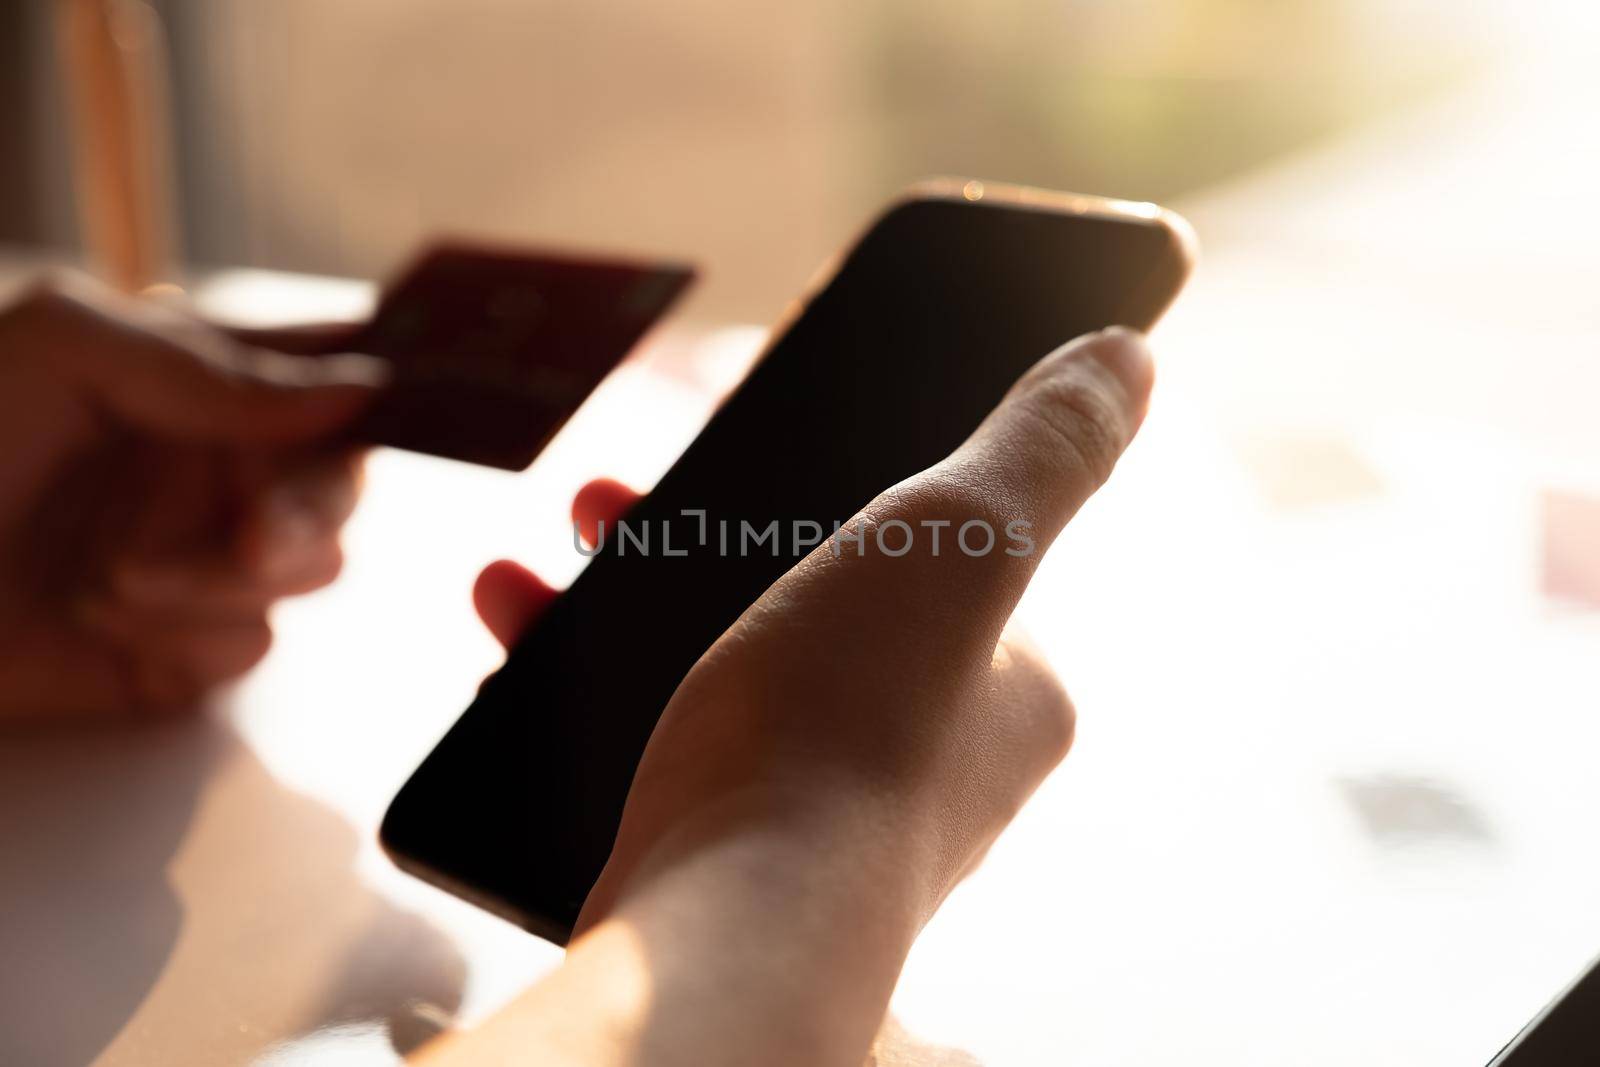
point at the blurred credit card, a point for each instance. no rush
(493, 349)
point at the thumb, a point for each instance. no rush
(1055, 437)
(1013, 486)
(164, 372)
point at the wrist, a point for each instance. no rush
(825, 837)
(760, 929)
(777, 923)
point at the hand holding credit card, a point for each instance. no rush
(493, 349)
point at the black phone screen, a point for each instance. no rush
(927, 322)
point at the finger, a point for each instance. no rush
(974, 527)
(297, 512)
(220, 590)
(302, 339)
(165, 372)
(208, 654)
(312, 565)
(286, 544)
(603, 500)
(1055, 437)
(181, 657)
(509, 597)
(1024, 693)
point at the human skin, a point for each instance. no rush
(162, 484)
(823, 777)
(831, 767)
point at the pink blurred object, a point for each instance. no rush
(1570, 536)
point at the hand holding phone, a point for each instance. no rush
(880, 689)
(834, 764)
(890, 365)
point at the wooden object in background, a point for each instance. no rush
(113, 60)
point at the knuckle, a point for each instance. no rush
(950, 519)
(232, 363)
(1050, 716)
(246, 648)
(1058, 719)
(950, 495)
(255, 646)
(332, 566)
(321, 570)
(50, 285)
(1054, 716)
(45, 298)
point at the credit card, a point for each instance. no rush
(493, 349)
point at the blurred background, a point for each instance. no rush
(332, 136)
(1333, 629)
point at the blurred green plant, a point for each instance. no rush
(1143, 98)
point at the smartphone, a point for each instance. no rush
(900, 349)
(1565, 1033)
